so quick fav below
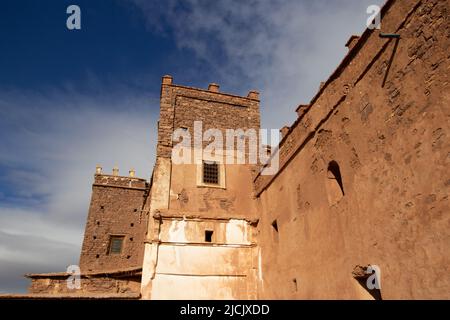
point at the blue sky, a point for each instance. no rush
(72, 99)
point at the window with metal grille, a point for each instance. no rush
(210, 172)
(115, 244)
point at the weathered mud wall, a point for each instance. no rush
(115, 210)
(365, 176)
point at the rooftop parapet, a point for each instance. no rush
(131, 181)
(212, 87)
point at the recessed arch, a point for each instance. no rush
(334, 183)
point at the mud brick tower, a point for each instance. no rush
(201, 232)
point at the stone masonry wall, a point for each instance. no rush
(116, 208)
(89, 285)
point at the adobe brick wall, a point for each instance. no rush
(116, 208)
(391, 144)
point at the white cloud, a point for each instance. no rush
(51, 142)
(282, 48)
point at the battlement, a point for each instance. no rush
(114, 180)
(180, 106)
(212, 87)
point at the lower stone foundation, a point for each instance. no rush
(118, 282)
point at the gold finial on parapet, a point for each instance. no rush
(132, 172)
(115, 171)
(98, 169)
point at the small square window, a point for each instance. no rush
(208, 235)
(210, 172)
(116, 244)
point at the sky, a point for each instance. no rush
(72, 99)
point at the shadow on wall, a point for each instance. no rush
(334, 185)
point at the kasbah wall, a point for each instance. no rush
(363, 180)
(390, 141)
